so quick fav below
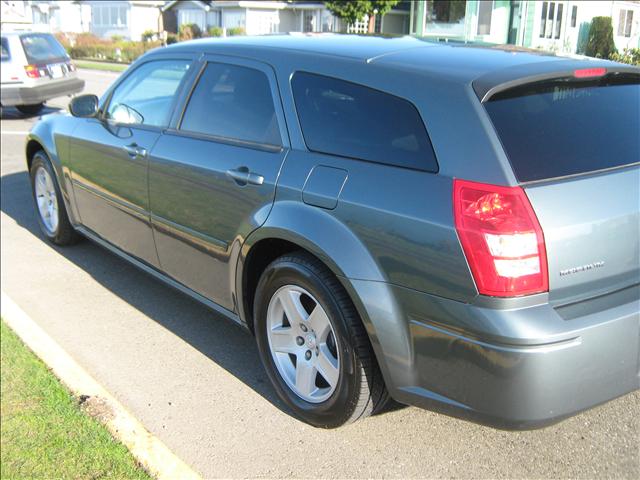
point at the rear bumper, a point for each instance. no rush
(512, 368)
(27, 95)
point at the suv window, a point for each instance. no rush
(559, 128)
(233, 102)
(5, 50)
(350, 120)
(145, 96)
(42, 48)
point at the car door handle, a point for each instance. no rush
(242, 176)
(135, 151)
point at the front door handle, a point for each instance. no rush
(242, 176)
(135, 151)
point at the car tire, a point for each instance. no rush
(346, 383)
(33, 109)
(49, 205)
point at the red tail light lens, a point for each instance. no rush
(501, 238)
(590, 72)
(32, 71)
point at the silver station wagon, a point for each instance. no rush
(449, 226)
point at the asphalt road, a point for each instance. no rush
(195, 380)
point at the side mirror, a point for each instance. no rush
(84, 106)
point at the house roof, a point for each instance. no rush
(464, 62)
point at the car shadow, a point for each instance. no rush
(12, 113)
(222, 341)
(218, 338)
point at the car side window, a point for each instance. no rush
(351, 120)
(233, 102)
(5, 50)
(146, 95)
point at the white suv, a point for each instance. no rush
(35, 68)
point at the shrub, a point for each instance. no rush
(600, 43)
(172, 38)
(189, 31)
(628, 55)
(117, 38)
(215, 32)
(235, 31)
(148, 35)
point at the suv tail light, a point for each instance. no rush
(501, 238)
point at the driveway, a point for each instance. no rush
(195, 380)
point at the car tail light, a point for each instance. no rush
(590, 72)
(501, 238)
(35, 71)
(32, 71)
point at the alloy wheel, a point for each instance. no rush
(303, 344)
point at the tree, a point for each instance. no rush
(352, 11)
(600, 43)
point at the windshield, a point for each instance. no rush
(42, 48)
(559, 128)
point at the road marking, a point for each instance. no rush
(147, 449)
(14, 133)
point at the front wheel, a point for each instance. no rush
(50, 209)
(313, 344)
(33, 109)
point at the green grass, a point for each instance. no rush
(110, 67)
(44, 432)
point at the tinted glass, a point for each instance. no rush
(233, 102)
(146, 95)
(350, 120)
(5, 50)
(42, 48)
(560, 128)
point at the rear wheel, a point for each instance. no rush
(313, 344)
(32, 109)
(50, 209)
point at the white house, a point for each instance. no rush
(46, 16)
(561, 26)
(128, 19)
(262, 17)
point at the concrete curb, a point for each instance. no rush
(152, 454)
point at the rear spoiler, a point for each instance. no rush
(488, 85)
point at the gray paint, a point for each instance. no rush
(386, 232)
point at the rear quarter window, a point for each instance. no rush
(6, 55)
(42, 48)
(561, 128)
(351, 120)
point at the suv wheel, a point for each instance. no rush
(30, 109)
(50, 209)
(313, 344)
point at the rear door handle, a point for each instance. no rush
(135, 151)
(242, 176)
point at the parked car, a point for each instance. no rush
(35, 68)
(450, 226)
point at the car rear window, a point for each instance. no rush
(351, 120)
(42, 48)
(559, 128)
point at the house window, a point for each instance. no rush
(551, 20)
(109, 16)
(624, 23)
(485, 8)
(558, 21)
(574, 16)
(378, 24)
(309, 22)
